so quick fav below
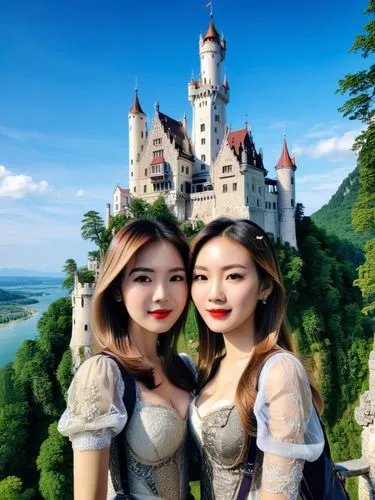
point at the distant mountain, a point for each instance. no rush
(9, 296)
(336, 216)
(15, 271)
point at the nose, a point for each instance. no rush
(160, 293)
(216, 292)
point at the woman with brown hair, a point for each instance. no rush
(250, 381)
(139, 309)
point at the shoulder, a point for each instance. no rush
(283, 367)
(100, 371)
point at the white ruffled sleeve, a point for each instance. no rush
(95, 410)
(288, 428)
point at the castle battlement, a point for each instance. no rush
(203, 196)
(83, 289)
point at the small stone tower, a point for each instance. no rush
(365, 417)
(137, 139)
(286, 195)
(209, 97)
(81, 342)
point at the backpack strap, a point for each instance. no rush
(118, 464)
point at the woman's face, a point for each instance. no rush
(154, 287)
(226, 286)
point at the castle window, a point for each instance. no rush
(144, 188)
(156, 142)
(274, 206)
(217, 141)
(131, 162)
(227, 169)
(292, 202)
(158, 153)
(203, 127)
(182, 188)
(217, 118)
(182, 169)
(116, 207)
(253, 188)
(203, 141)
(215, 130)
(74, 321)
(225, 188)
(200, 104)
(145, 172)
(82, 302)
(258, 204)
(234, 186)
(154, 187)
(203, 167)
(187, 170)
(135, 189)
(247, 200)
(141, 148)
(142, 134)
(292, 180)
(86, 328)
(203, 157)
(215, 106)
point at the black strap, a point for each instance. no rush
(248, 469)
(118, 449)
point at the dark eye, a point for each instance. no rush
(177, 278)
(234, 276)
(200, 277)
(142, 279)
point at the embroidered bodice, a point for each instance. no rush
(155, 435)
(288, 433)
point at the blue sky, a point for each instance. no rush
(67, 80)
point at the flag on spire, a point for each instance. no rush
(209, 4)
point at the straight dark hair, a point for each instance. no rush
(271, 331)
(110, 318)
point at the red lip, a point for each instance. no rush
(219, 313)
(160, 313)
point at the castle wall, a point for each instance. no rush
(271, 214)
(81, 343)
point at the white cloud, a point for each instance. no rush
(323, 130)
(334, 147)
(19, 185)
(80, 193)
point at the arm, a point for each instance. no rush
(91, 474)
(287, 433)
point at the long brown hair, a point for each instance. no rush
(110, 318)
(271, 331)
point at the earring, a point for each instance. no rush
(264, 301)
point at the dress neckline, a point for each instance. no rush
(227, 406)
(170, 409)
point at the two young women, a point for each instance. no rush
(246, 367)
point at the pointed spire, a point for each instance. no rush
(136, 108)
(212, 33)
(226, 83)
(285, 160)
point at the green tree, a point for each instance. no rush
(64, 373)
(13, 435)
(118, 221)
(139, 208)
(11, 489)
(55, 465)
(93, 229)
(366, 277)
(70, 266)
(84, 276)
(160, 210)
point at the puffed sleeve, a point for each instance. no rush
(95, 410)
(288, 428)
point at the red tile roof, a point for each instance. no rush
(136, 108)
(211, 34)
(158, 160)
(236, 139)
(285, 160)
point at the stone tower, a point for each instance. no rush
(137, 139)
(81, 341)
(209, 97)
(286, 196)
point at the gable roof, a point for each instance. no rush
(240, 140)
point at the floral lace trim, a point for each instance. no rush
(92, 440)
(276, 480)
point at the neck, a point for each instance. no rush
(240, 342)
(145, 342)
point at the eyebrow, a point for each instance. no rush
(150, 270)
(225, 268)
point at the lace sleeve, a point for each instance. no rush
(95, 411)
(288, 429)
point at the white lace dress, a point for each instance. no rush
(288, 433)
(155, 435)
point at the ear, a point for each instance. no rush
(265, 291)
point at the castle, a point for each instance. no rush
(214, 171)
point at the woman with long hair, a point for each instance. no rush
(138, 311)
(250, 382)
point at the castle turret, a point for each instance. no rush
(137, 138)
(286, 196)
(209, 97)
(81, 344)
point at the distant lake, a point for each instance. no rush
(12, 335)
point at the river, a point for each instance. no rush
(13, 334)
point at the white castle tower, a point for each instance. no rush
(209, 97)
(137, 138)
(81, 341)
(286, 195)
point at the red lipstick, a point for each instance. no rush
(160, 313)
(219, 313)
